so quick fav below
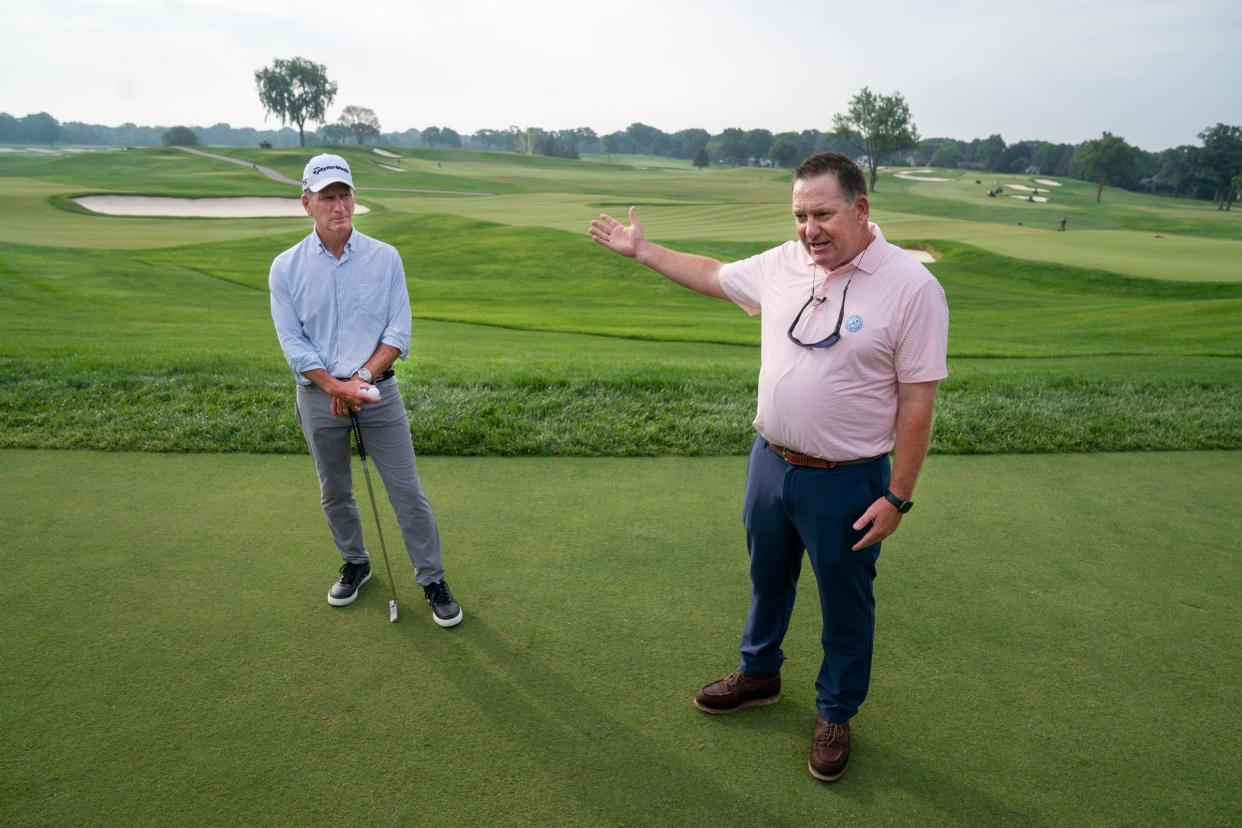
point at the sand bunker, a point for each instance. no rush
(198, 207)
(1039, 199)
(1047, 182)
(385, 153)
(391, 167)
(913, 177)
(920, 255)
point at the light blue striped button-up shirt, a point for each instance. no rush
(333, 313)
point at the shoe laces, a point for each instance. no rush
(830, 734)
(351, 571)
(438, 593)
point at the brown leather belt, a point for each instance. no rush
(798, 459)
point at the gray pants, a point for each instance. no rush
(386, 434)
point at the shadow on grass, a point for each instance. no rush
(619, 775)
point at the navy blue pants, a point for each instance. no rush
(789, 509)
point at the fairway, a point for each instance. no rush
(171, 654)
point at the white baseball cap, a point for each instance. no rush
(323, 170)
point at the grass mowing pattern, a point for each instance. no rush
(171, 654)
(172, 350)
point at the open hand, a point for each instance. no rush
(616, 236)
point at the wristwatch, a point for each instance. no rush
(364, 374)
(900, 505)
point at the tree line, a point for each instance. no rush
(875, 128)
(1206, 171)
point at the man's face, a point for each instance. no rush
(832, 229)
(332, 208)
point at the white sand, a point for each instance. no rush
(920, 255)
(912, 177)
(384, 153)
(1047, 182)
(391, 167)
(198, 207)
(1038, 199)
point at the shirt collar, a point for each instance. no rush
(349, 243)
(869, 256)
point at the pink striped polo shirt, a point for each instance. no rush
(840, 403)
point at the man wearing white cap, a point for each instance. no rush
(342, 315)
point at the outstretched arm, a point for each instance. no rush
(698, 273)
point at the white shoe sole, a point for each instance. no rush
(447, 622)
(341, 602)
(821, 777)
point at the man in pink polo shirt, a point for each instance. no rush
(854, 334)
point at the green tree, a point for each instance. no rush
(990, 152)
(1221, 157)
(758, 144)
(700, 158)
(785, 151)
(180, 136)
(879, 125)
(333, 134)
(1105, 159)
(39, 128)
(688, 142)
(729, 146)
(296, 91)
(947, 154)
(610, 142)
(10, 129)
(359, 122)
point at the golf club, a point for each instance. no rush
(362, 455)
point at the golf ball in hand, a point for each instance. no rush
(372, 392)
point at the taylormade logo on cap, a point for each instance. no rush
(323, 170)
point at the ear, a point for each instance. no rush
(864, 209)
(306, 203)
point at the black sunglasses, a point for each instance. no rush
(832, 338)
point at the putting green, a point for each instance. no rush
(170, 653)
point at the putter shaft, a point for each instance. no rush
(362, 455)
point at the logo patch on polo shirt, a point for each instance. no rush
(854, 323)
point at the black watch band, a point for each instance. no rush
(900, 505)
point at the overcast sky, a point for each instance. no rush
(1154, 72)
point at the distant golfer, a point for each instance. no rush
(853, 340)
(342, 314)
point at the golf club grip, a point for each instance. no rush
(362, 449)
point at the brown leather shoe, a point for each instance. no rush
(736, 692)
(830, 750)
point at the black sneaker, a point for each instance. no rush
(444, 609)
(345, 590)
